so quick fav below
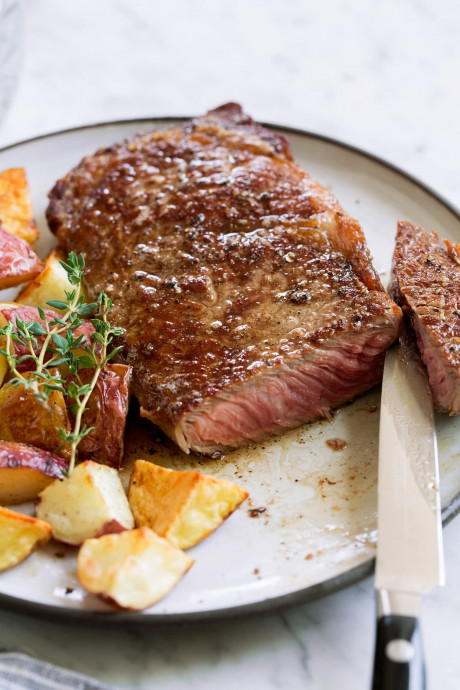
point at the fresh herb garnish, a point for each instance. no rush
(62, 346)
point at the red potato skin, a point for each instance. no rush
(18, 262)
(24, 419)
(112, 527)
(19, 455)
(28, 314)
(106, 411)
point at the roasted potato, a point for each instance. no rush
(89, 503)
(20, 535)
(18, 262)
(10, 311)
(106, 411)
(25, 471)
(52, 283)
(3, 364)
(3, 322)
(16, 213)
(133, 569)
(183, 507)
(26, 419)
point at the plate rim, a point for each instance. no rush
(289, 129)
(272, 604)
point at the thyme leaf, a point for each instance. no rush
(58, 347)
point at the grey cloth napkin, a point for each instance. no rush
(19, 671)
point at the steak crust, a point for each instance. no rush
(426, 282)
(247, 295)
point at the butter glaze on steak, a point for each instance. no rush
(247, 295)
(426, 282)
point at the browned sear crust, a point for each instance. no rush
(426, 282)
(228, 265)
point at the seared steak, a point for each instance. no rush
(426, 282)
(247, 294)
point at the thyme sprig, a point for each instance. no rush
(61, 346)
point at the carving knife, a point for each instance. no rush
(409, 553)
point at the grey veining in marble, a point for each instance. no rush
(382, 76)
(10, 51)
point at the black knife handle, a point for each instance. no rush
(399, 663)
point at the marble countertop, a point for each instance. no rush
(381, 76)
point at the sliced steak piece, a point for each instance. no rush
(247, 294)
(426, 282)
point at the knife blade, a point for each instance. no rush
(409, 553)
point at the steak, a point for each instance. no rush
(426, 282)
(247, 295)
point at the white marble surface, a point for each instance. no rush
(383, 76)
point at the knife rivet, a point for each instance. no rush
(400, 651)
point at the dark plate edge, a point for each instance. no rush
(272, 125)
(271, 605)
(302, 596)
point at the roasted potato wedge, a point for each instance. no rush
(26, 419)
(18, 262)
(16, 213)
(3, 322)
(106, 411)
(183, 507)
(133, 569)
(3, 364)
(51, 283)
(25, 471)
(10, 311)
(20, 535)
(87, 504)
(7, 307)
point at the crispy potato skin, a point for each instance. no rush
(18, 262)
(25, 419)
(106, 411)
(20, 535)
(16, 213)
(25, 471)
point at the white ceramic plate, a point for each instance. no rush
(309, 526)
